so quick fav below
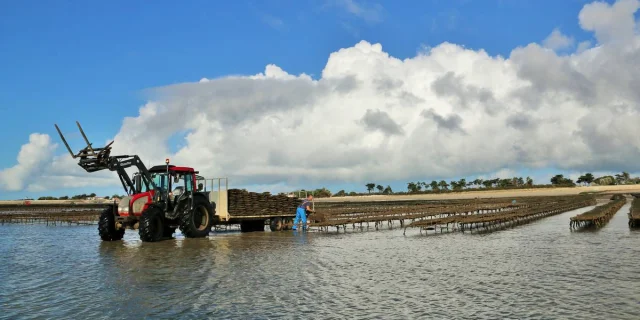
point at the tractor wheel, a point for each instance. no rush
(197, 223)
(277, 224)
(107, 226)
(152, 225)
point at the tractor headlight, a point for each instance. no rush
(123, 206)
(138, 205)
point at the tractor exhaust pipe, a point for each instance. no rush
(168, 181)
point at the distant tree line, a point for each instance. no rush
(462, 184)
(442, 186)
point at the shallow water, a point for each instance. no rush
(537, 271)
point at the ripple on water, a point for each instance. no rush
(536, 271)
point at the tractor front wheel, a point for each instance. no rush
(197, 222)
(107, 226)
(152, 225)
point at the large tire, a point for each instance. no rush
(197, 223)
(152, 225)
(107, 226)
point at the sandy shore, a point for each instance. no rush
(490, 194)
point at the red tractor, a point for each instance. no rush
(149, 206)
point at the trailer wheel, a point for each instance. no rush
(276, 224)
(287, 223)
(197, 223)
(107, 226)
(152, 225)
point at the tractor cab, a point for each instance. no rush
(173, 181)
(176, 182)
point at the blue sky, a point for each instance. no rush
(91, 61)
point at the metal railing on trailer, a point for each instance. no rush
(218, 194)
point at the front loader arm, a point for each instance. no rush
(97, 159)
(120, 163)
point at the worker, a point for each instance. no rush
(301, 213)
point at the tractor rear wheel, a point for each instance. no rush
(197, 222)
(107, 226)
(152, 225)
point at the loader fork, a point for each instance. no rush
(96, 159)
(91, 159)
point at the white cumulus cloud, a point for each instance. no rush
(448, 112)
(610, 22)
(33, 156)
(558, 41)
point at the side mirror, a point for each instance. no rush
(176, 178)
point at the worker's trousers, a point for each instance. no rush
(301, 216)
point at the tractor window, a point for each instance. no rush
(201, 183)
(178, 190)
(188, 182)
(146, 185)
(160, 179)
(141, 183)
